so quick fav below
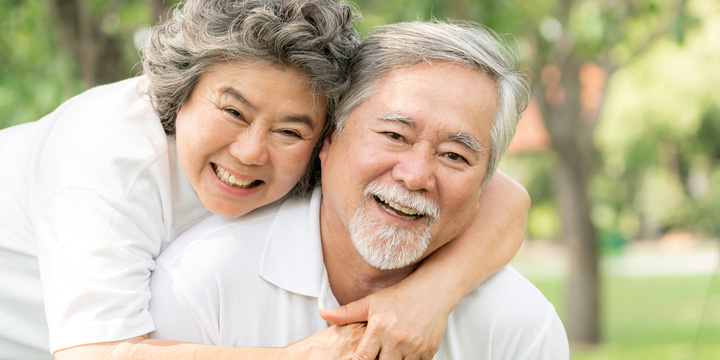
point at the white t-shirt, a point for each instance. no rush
(94, 191)
(259, 280)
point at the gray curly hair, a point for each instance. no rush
(315, 36)
(403, 45)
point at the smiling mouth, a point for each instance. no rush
(231, 180)
(398, 210)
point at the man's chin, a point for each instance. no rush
(390, 251)
(387, 246)
(388, 266)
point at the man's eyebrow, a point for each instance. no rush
(395, 117)
(466, 140)
(304, 119)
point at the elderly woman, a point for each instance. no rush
(226, 119)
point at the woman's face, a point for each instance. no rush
(246, 134)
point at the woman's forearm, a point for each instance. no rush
(335, 342)
(141, 348)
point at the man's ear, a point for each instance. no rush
(325, 148)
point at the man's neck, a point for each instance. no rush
(350, 277)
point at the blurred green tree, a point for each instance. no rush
(665, 160)
(54, 49)
(99, 34)
(577, 47)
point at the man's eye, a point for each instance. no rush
(455, 157)
(394, 136)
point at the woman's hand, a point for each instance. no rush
(335, 342)
(403, 323)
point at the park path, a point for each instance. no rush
(543, 259)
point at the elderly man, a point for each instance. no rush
(432, 110)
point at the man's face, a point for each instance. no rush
(405, 175)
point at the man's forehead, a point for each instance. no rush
(458, 99)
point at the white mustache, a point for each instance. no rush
(405, 197)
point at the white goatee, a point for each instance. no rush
(386, 246)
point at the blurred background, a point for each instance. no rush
(619, 148)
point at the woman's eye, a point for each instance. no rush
(233, 112)
(394, 136)
(291, 133)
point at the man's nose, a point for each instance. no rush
(250, 147)
(416, 169)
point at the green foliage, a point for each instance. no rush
(543, 221)
(37, 74)
(535, 172)
(658, 134)
(508, 16)
(35, 77)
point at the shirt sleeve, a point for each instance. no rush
(96, 253)
(551, 343)
(505, 318)
(559, 348)
(100, 208)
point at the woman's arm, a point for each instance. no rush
(150, 349)
(335, 342)
(410, 317)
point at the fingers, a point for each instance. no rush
(368, 348)
(353, 312)
(334, 342)
(389, 340)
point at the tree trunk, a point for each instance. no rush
(99, 55)
(160, 9)
(582, 314)
(571, 127)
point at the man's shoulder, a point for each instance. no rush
(509, 296)
(505, 317)
(217, 239)
(508, 283)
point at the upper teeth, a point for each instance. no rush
(229, 179)
(399, 207)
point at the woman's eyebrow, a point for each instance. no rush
(235, 93)
(303, 119)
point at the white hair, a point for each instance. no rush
(403, 45)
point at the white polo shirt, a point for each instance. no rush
(259, 280)
(94, 191)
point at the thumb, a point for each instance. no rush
(354, 312)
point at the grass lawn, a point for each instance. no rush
(656, 318)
